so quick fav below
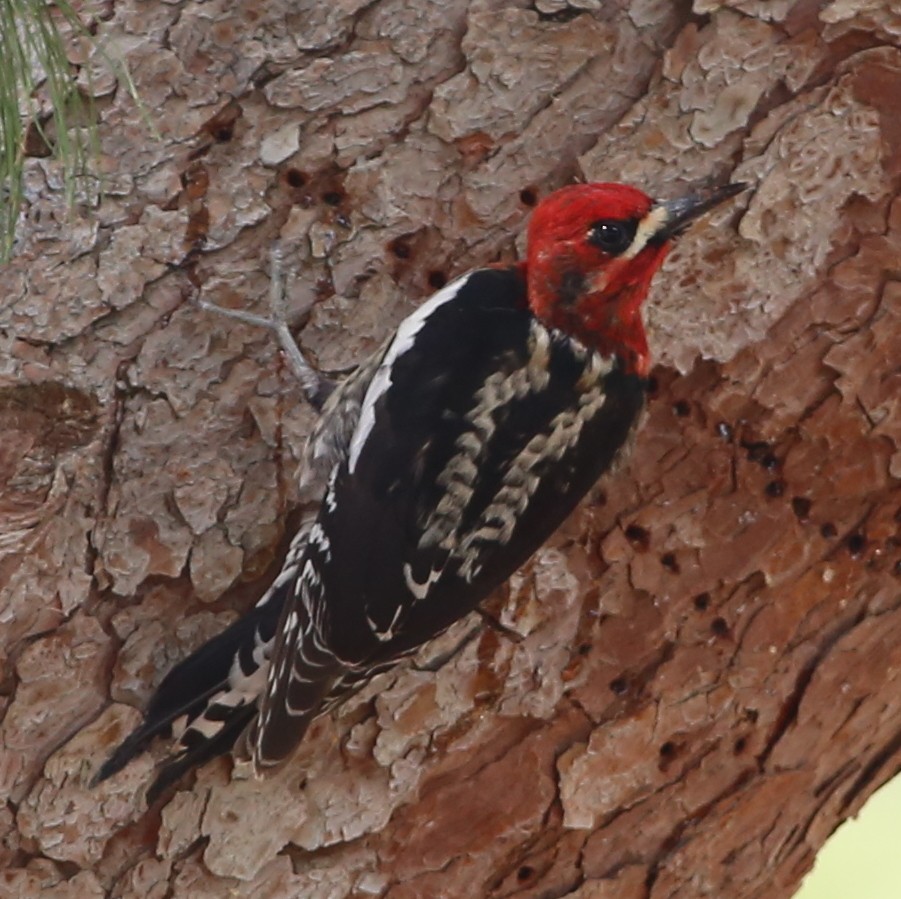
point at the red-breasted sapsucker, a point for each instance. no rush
(441, 465)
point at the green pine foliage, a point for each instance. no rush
(42, 110)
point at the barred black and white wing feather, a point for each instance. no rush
(479, 432)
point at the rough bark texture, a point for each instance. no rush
(709, 676)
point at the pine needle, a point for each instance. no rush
(42, 109)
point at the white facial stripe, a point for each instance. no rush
(381, 381)
(647, 228)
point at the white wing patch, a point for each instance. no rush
(420, 590)
(384, 635)
(330, 502)
(319, 539)
(381, 380)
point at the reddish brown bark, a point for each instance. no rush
(708, 677)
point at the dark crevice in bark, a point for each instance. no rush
(788, 713)
(675, 836)
(884, 765)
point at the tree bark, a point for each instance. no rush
(707, 680)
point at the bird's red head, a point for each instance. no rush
(592, 252)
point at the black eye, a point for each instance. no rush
(612, 236)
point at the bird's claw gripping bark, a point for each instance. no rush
(316, 388)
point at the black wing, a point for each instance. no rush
(479, 434)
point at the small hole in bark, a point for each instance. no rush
(584, 649)
(720, 627)
(296, 178)
(801, 507)
(619, 685)
(653, 386)
(756, 450)
(224, 134)
(724, 429)
(669, 562)
(248, 429)
(400, 248)
(898, 568)
(829, 530)
(600, 498)
(769, 462)
(752, 715)
(898, 515)
(669, 751)
(528, 196)
(857, 543)
(332, 197)
(682, 408)
(36, 143)
(525, 873)
(775, 488)
(638, 536)
(561, 16)
(437, 279)
(740, 745)
(702, 602)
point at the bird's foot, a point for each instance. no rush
(315, 386)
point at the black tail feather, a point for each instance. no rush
(187, 689)
(202, 752)
(139, 739)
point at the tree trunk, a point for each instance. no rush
(707, 680)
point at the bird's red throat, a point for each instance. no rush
(604, 311)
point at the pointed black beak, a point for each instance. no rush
(679, 214)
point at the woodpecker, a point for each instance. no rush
(440, 466)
